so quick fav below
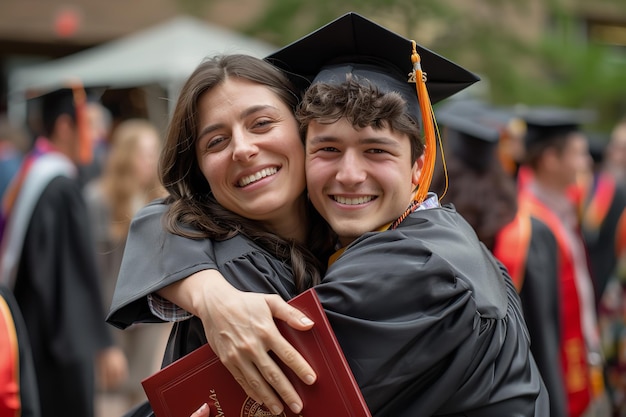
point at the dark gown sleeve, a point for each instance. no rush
(601, 243)
(429, 325)
(540, 302)
(153, 259)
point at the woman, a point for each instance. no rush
(128, 182)
(233, 150)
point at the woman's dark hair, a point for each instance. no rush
(363, 105)
(485, 197)
(190, 196)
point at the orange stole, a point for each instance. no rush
(511, 247)
(573, 349)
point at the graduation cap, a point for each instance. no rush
(545, 124)
(598, 142)
(352, 44)
(472, 131)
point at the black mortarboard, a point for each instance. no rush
(473, 130)
(55, 103)
(354, 44)
(598, 142)
(547, 123)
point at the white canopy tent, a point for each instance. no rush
(164, 55)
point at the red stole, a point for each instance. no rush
(10, 404)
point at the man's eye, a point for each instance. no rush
(377, 151)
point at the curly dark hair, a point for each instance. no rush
(191, 201)
(363, 105)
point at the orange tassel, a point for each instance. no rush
(85, 142)
(430, 141)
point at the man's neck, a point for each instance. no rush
(550, 182)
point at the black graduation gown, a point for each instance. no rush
(58, 292)
(540, 297)
(429, 321)
(600, 240)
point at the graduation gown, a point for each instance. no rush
(58, 292)
(528, 250)
(603, 226)
(576, 370)
(429, 321)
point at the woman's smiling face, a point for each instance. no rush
(250, 152)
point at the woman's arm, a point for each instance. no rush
(240, 329)
(239, 325)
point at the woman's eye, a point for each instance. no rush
(261, 123)
(214, 142)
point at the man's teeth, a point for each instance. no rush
(255, 177)
(353, 201)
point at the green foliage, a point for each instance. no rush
(558, 69)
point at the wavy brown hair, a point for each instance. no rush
(191, 201)
(119, 179)
(485, 196)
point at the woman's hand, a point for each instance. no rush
(240, 329)
(203, 411)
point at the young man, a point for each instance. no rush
(447, 315)
(428, 320)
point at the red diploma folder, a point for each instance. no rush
(182, 387)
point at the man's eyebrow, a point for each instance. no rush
(376, 140)
(322, 139)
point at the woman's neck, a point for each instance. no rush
(293, 226)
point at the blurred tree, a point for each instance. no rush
(526, 52)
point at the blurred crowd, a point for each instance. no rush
(80, 235)
(547, 196)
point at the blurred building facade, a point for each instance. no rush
(35, 31)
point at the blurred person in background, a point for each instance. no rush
(128, 181)
(13, 145)
(615, 161)
(100, 121)
(603, 226)
(19, 396)
(556, 152)
(471, 134)
(47, 259)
